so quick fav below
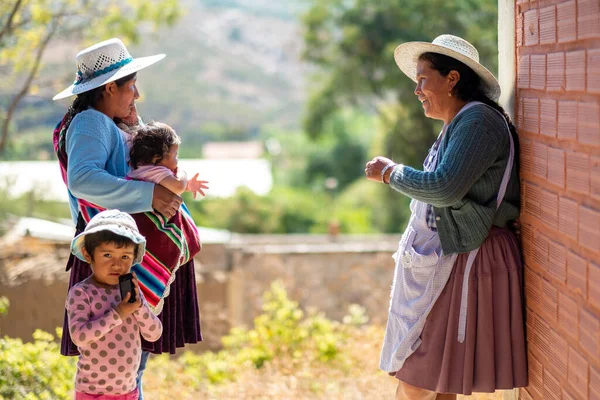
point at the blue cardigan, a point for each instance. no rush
(97, 166)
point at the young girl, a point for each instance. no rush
(105, 327)
(153, 158)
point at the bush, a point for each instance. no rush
(284, 338)
(35, 370)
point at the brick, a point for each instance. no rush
(530, 28)
(531, 115)
(589, 333)
(594, 284)
(577, 375)
(558, 354)
(595, 176)
(548, 25)
(519, 27)
(527, 240)
(533, 290)
(549, 301)
(567, 120)
(594, 383)
(540, 160)
(588, 128)
(542, 337)
(575, 70)
(555, 72)
(568, 396)
(525, 395)
(536, 373)
(567, 217)
(589, 230)
(540, 250)
(593, 71)
(577, 272)
(578, 172)
(520, 118)
(526, 155)
(549, 208)
(588, 19)
(556, 167)
(548, 117)
(533, 201)
(557, 260)
(568, 318)
(530, 322)
(566, 27)
(538, 72)
(551, 386)
(523, 77)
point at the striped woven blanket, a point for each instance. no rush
(170, 243)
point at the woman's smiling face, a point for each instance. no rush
(432, 91)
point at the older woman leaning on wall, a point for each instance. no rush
(455, 323)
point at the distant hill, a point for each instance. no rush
(232, 67)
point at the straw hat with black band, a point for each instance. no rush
(407, 55)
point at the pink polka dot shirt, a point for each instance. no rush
(110, 347)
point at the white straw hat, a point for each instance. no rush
(117, 222)
(407, 55)
(103, 63)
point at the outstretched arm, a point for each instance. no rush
(179, 184)
(175, 183)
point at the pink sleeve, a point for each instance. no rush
(84, 330)
(150, 173)
(150, 325)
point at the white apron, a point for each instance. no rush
(420, 275)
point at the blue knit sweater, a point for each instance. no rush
(97, 166)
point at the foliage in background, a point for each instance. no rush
(31, 204)
(35, 370)
(283, 337)
(27, 27)
(283, 210)
(353, 42)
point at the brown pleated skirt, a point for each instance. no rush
(493, 355)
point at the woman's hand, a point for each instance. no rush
(375, 166)
(165, 202)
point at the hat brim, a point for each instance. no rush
(134, 66)
(407, 55)
(135, 237)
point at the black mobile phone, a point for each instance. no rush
(126, 286)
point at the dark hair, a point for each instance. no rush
(93, 240)
(150, 142)
(469, 88)
(90, 98)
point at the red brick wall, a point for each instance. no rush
(558, 116)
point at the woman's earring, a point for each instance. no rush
(449, 94)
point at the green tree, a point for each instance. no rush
(353, 43)
(29, 27)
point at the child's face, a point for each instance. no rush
(109, 262)
(170, 159)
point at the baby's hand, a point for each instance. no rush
(125, 308)
(196, 186)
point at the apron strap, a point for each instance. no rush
(462, 321)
